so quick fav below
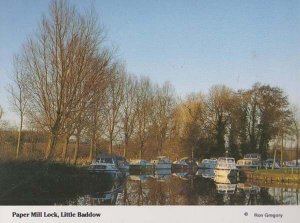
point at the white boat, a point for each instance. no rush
(268, 164)
(104, 164)
(292, 163)
(162, 162)
(225, 167)
(140, 165)
(207, 164)
(248, 164)
(250, 161)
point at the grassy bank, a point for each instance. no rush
(284, 175)
(38, 182)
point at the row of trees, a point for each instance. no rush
(67, 84)
(238, 122)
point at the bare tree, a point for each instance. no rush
(162, 111)
(93, 123)
(114, 99)
(128, 110)
(19, 96)
(60, 64)
(144, 105)
(194, 127)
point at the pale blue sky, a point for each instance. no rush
(194, 44)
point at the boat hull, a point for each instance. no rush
(103, 168)
(226, 172)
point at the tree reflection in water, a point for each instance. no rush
(185, 189)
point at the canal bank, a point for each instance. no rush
(285, 175)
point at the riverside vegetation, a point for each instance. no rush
(74, 98)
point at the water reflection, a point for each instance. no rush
(162, 187)
(183, 188)
(206, 173)
(103, 197)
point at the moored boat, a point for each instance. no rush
(269, 164)
(250, 161)
(208, 163)
(292, 163)
(225, 167)
(122, 163)
(162, 162)
(248, 164)
(140, 165)
(104, 163)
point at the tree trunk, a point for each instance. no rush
(92, 148)
(76, 150)
(192, 153)
(125, 149)
(141, 150)
(51, 145)
(274, 159)
(281, 155)
(297, 146)
(65, 148)
(19, 137)
(110, 146)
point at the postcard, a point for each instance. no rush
(149, 111)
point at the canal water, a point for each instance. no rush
(200, 188)
(158, 188)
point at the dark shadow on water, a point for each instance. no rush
(40, 183)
